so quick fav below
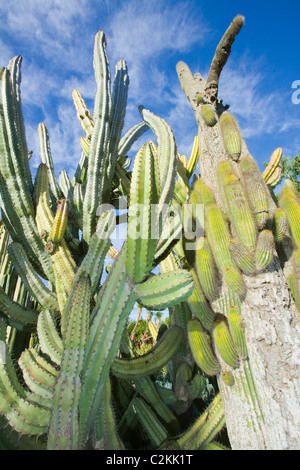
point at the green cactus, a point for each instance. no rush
(243, 258)
(255, 189)
(205, 268)
(265, 249)
(208, 115)
(201, 348)
(80, 381)
(289, 202)
(280, 224)
(224, 343)
(239, 210)
(236, 328)
(152, 361)
(231, 135)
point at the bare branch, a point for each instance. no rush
(222, 53)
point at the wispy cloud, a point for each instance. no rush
(260, 109)
(146, 34)
(56, 40)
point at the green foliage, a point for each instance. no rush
(290, 169)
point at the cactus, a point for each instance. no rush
(208, 115)
(265, 249)
(231, 135)
(256, 190)
(240, 213)
(224, 343)
(205, 268)
(280, 224)
(273, 164)
(236, 328)
(201, 348)
(152, 361)
(290, 203)
(243, 258)
(81, 382)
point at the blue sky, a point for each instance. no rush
(55, 39)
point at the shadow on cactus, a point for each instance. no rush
(72, 377)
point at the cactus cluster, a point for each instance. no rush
(79, 381)
(83, 383)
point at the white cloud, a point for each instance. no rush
(260, 110)
(146, 32)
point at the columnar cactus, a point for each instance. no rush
(84, 384)
(247, 234)
(78, 319)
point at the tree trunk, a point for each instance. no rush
(262, 408)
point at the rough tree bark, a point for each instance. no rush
(263, 407)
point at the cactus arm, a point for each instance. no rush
(110, 440)
(224, 344)
(30, 278)
(44, 216)
(65, 185)
(23, 416)
(83, 114)
(152, 361)
(273, 164)
(265, 249)
(119, 101)
(39, 380)
(143, 195)
(290, 203)
(92, 263)
(198, 303)
(240, 213)
(12, 146)
(146, 388)
(22, 317)
(231, 135)
(63, 431)
(206, 427)
(46, 157)
(113, 305)
(256, 190)
(130, 137)
(98, 153)
(165, 290)
(14, 66)
(11, 221)
(194, 157)
(201, 348)
(77, 203)
(170, 234)
(49, 338)
(19, 204)
(151, 424)
(205, 267)
(54, 228)
(167, 155)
